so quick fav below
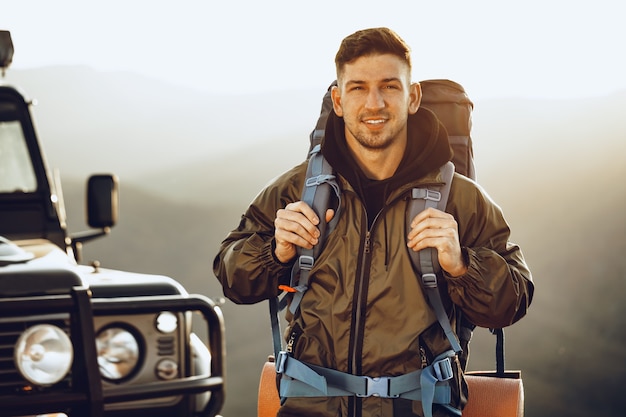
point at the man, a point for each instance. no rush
(365, 313)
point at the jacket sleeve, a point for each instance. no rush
(497, 289)
(245, 264)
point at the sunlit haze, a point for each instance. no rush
(537, 48)
(157, 93)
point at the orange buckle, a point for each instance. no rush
(286, 288)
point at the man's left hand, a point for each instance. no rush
(433, 228)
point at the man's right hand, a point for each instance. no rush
(296, 225)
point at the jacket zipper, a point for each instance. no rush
(359, 301)
(354, 365)
(423, 357)
(291, 342)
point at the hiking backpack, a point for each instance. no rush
(452, 106)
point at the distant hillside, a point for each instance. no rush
(132, 125)
(554, 166)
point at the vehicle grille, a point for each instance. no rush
(11, 382)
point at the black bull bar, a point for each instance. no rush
(87, 396)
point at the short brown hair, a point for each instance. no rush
(371, 42)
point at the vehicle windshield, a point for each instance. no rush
(16, 169)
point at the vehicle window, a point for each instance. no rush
(16, 170)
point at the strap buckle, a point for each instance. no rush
(318, 180)
(425, 194)
(443, 369)
(377, 387)
(281, 360)
(429, 280)
(306, 262)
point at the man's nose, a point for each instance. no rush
(375, 99)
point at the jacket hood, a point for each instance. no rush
(427, 149)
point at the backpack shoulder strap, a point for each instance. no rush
(426, 261)
(320, 187)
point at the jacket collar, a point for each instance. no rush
(427, 149)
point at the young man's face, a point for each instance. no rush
(375, 97)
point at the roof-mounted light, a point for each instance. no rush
(6, 50)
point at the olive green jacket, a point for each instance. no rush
(365, 311)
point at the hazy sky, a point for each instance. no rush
(530, 48)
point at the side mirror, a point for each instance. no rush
(102, 201)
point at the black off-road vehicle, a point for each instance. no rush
(82, 340)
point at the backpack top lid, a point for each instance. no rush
(449, 101)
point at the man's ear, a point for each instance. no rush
(415, 97)
(335, 95)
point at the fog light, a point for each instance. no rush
(167, 369)
(44, 354)
(118, 353)
(166, 322)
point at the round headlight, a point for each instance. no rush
(44, 354)
(118, 353)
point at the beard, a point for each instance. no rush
(374, 140)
